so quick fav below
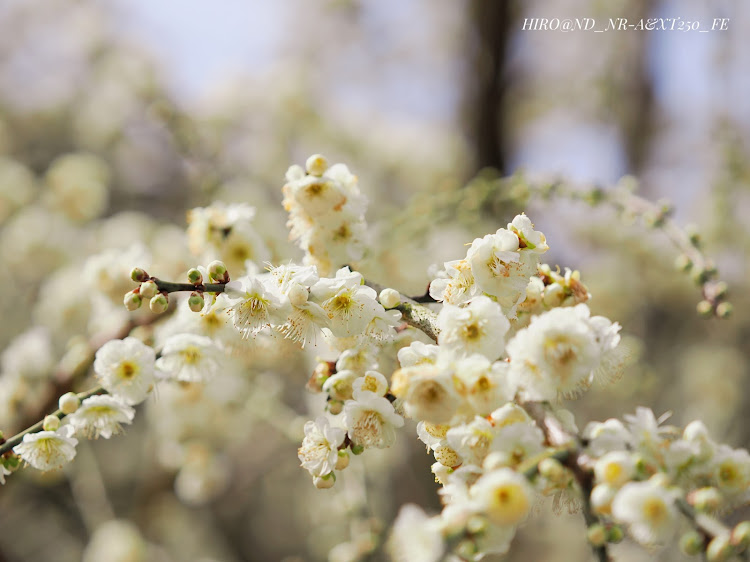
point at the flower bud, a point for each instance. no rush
(139, 275)
(719, 549)
(196, 302)
(68, 403)
(343, 461)
(159, 303)
(552, 470)
(705, 499)
(132, 300)
(149, 289)
(683, 263)
(724, 309)
(691, 543)
(51, 423)
(195, 276)
(597, 534)
(12, 462)
(389, 298)
(324, 482)
(335, 406)
(316, 165)
(615, 534)
(704, 308)
(601, 498)
(740, 537)
(217, 271)
(357, 449)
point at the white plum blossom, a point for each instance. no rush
(371, 421)
(190, 358)
(472, 441)
(101, 416)
(416, 353)
(456, 285)
(415, 537)
(47, 450)
(253, 304)
(319, 451)
(501, 269)
(427, 391)
(225, 232)
(615, 468)
(478, 327)
(372, 382)
(349, 305)
(326, 214)
(649, 510)
(527, 236)
(125, 368)
(557, 354)
(484, 385)
(504, 496)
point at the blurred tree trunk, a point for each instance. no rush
(490, 25)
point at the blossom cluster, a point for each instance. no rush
(326, 213)
(481, 371)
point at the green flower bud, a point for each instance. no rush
(139, 275)
(132, 300)
(195, 276)
(719, 549)
(724, 309)
(148, 289)
(217, 271)
(704, 308)
(343, 461)
(597, 534)
(159, 303)
(196, 302)
(740, 537)
(691, 543)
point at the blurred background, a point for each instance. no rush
(116, 117)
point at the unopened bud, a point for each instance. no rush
(389, 298)
(139, 275)
(597, 534)
(343, 461)
(691, 543)
(217, 271)
(740, 537)
(705, 499)
(132, 301)
(316, 165)
(196, 302)
(719, 549)
(551, 469)
(683, 263)
(357, 449)
(149, 289)
(704, 308)
(68, 403)
(335, 406)
(195, 276)
(159, 303)
(12, 462)
(324, 482)
(615, 534)
(51, 423)
(724, 309)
